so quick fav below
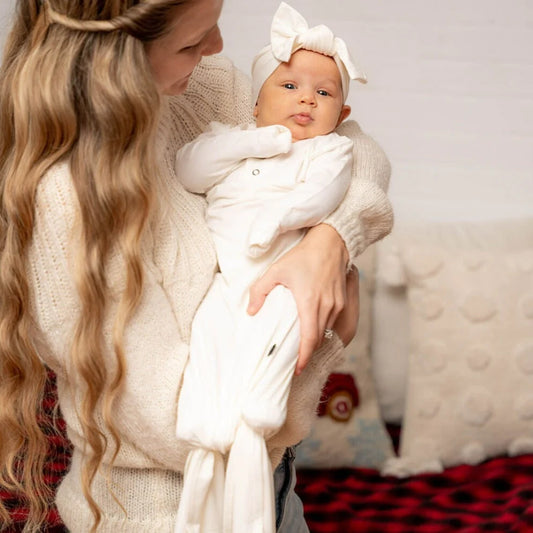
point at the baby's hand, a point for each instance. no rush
(279, 139)
(261, 236)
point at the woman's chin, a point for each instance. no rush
(178, 88)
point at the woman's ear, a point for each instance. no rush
(344, 114)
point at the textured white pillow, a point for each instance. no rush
(390, 335)
(470, 384)
(351, 436)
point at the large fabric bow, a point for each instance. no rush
(290, 32)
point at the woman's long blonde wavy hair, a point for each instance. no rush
(75, 86)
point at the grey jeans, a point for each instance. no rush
(289, 508)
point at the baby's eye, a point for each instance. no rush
(289, 86)
(322, 92)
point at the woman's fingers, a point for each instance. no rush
(309, 336)
(334, 305)
(347, 320)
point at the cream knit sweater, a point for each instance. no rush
(179, 263)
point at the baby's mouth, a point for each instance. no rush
(302, 118)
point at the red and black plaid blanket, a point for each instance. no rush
(494, 496)
(56, 466)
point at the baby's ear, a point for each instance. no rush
(255, 111)
(344, 114)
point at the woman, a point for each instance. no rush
(104, 257)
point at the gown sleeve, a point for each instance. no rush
(204, 162)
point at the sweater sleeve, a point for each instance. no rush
(145, 412)
(365, 215)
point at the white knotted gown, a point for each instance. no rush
(262, 190)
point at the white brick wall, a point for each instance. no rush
(6, 6)
(450, 93)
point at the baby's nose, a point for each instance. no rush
(307, 97)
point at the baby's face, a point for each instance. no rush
(305, 95)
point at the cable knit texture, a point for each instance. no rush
(179, 263)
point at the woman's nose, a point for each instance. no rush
(214, 43)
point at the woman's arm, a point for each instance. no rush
(365, 215)
(315, 269)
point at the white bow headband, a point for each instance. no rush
(289, 33)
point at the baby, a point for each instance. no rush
(264, 184)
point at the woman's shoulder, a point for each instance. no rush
(214, 63)
(219, 91)
(216, 69)
(371, 159)
(352, 130)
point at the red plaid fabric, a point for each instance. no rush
(494, 496)
(56, 466)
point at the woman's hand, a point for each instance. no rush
(315, 272)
